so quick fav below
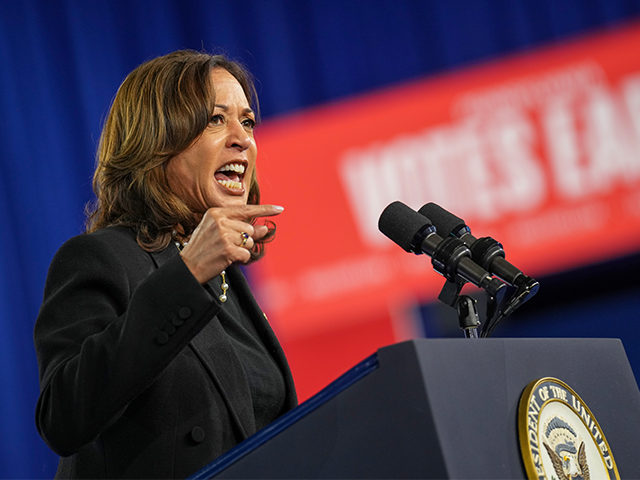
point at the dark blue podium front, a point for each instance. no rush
(443, 408)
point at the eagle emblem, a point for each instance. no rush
(569, 461)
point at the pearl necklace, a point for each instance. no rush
(225, 286)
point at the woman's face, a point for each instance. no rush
(216, 170)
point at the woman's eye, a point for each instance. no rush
(249, 123)
(217, 120)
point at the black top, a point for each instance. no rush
(266, 382)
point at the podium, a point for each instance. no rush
(442, 408)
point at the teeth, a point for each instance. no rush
(230, 184)
(233, 167)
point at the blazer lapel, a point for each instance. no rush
(221, 362)
(159, 258)
(218, 357)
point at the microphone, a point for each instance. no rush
(486, 252)
(450, 256)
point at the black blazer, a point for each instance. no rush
(137, 377)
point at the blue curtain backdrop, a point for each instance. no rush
(61, 63)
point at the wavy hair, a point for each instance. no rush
(160, 109)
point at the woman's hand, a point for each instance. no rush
(224, 237)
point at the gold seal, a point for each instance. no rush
(559, 436)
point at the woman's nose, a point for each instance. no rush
(238, 137)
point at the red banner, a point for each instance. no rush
(540, 151)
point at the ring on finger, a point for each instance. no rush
(245, 237)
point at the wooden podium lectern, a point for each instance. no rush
(442, 408)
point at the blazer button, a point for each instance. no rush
(177, 321)
(197, 434)
(162, 338)
(169, 328)
(184, 313)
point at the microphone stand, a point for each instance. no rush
(499, 305)
(468, 317)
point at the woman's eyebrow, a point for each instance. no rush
(226, 108)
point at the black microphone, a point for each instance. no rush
(450, 256)
(486, 252)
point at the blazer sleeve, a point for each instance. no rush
(110, 323)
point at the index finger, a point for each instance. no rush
(245, 212)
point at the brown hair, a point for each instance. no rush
(160, 109)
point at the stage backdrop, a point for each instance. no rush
(409, 88)
(540, 150)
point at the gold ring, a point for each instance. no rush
(245, 237)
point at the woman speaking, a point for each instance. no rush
(154, 356)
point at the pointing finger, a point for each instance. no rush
(245, 212)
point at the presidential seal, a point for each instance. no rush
(560, 438)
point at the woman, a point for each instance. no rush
(154, 356)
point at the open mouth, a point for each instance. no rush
(231, 175)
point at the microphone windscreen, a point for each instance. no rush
(401, 224)
(446, 223)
